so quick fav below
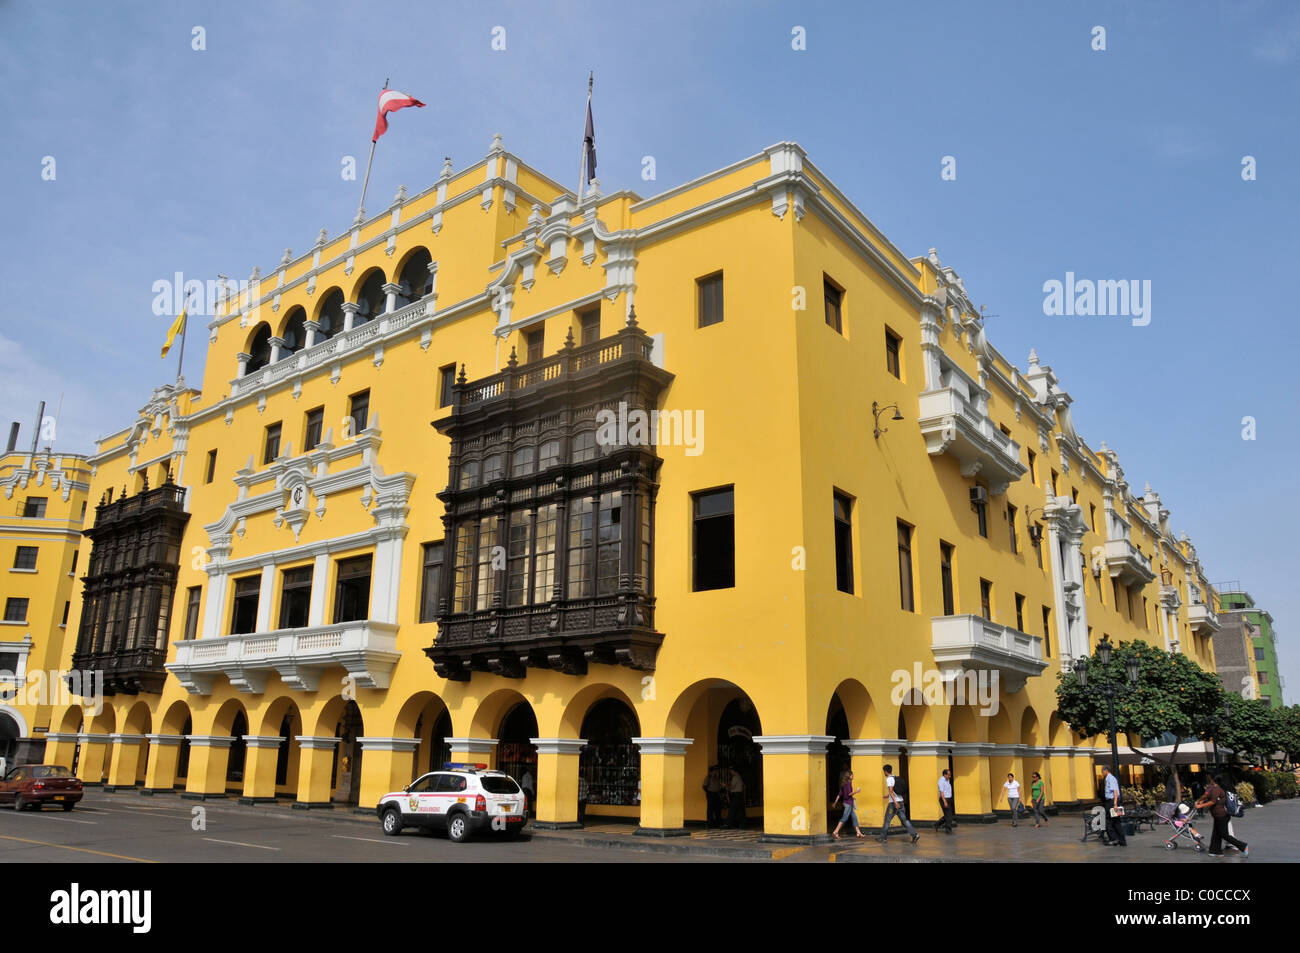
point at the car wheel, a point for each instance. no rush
(68, 807)
(458, 827)
(392, 822)
(1170, 845)
(19, 803)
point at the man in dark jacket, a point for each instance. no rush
(1216, 799)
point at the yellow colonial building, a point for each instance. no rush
(620, 489)
(44, 505)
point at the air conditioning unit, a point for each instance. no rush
(978, 496)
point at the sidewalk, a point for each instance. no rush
(1273, 832)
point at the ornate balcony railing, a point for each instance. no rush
(971, 642)
(952, 424)
(1202, 618)
(366, 650)
(1127, 564)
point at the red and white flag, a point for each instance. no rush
(389, 101)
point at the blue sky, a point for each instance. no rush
(1117, 164)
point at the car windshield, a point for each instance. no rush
(50, 771)
(498, 784)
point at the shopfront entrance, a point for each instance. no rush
(610, 763)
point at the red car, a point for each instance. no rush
(40, 784)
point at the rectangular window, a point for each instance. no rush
(1092, 517)
(212, 466)
(581, 515)
(446, 380)
(67, 607)
(1263, 678)
(544, 553)
(1020, 612)
(986, 599)
(709, 294)
(584, 447)
(905, 595)
(519, 551)
(982, 515)
(1259, 655)
(1038, 544)
(34, 506)
(295, 598)
(713, 563)
(485, 574)
(589, 323)
(521, 463)
(834, 297)
(893, 354)
(272, 448)
(1011, 528)
(1033, 473)
(311, 436)
(25, 557)
(15, 609)
(73, 570)
(843, 542)
(352, 590)
(494, 468)
(1047, 632)
(463, 581)
(609, 542)
(1145, 610)
(193, 596)
(359, 411)
(243, 618)
(1074, 494)
(550, 454)
(430, 581)
(1053, 484)
(945, 577)
(534, 345)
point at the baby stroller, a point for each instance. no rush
(1178, 818)
(1094, 824)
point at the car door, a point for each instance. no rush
(9, 785)
(420, 803)
(450, 789)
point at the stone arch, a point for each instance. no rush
(293, 330)
(702, 711)
(105, 723)
(1029, 727)
(283, 719)
(139, 720)
(258, 348)
(73, 720)
(224, 720)
(963, 725)
(413, 274)
(860, 712)
(1000, 731)
(1058, 732)
(368, 293)
(492, 710)
(329, 313)
(425, 716)
(174, 719)
(581, 703)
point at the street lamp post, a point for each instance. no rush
(1110, 689)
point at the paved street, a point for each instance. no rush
(124, 827)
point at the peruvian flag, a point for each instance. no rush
(390, 100)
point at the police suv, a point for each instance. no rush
(460, 799)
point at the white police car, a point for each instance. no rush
(460, 799)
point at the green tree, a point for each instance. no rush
(1173, 694)
(1255, 729)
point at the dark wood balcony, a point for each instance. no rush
(128, 672)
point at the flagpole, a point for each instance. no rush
(582, 162)
(366, 183)
(185, 326)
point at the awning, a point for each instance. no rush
(1190, 752)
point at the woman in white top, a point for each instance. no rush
(1012, 791)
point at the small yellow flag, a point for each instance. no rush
(177, 327)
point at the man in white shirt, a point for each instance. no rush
(894, 806)
(1114, 826)
(1012, 791)
(945, 801)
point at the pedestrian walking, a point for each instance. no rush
(894, 805)
(1114, 810)
(1216, 799)
(736, 816)
(945, 801)
(1011, 790)
(713, 796)
(1038, 798)
(846, 797)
